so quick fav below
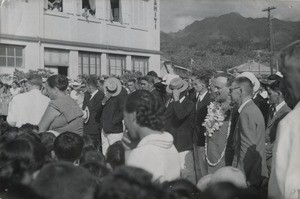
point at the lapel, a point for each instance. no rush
(203, 102)
(280, 112)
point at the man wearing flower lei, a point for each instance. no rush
(217, 123)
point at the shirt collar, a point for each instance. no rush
(94, 93)
(202, 96)
(279, 106)
(243, 105)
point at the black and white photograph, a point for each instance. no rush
(149, 99)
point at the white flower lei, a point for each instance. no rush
(213, 121)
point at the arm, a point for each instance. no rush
(48, 118)
(12, 113)
(182, 110)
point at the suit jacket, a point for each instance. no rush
(179, 122)
(95, 107)
(201, 112)
(249, 141)
(285, 175)
(112, 114)
(271, 131)
(263, 106)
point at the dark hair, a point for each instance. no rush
(47, 140)
(152, 73)
(245, 83)
(115, 154)
(93, 156)
(63, 180)
(92, 81)
(90, 144)
(182, 188)
(35, 79)
(132, 80)
(68, 146)
(129, 182)
(148, 79)
(96, 169)
(25, 128)
(59, 81)
(16, 159)
(149, 112)
(203, 79)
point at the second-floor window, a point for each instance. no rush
(116, 10)
(55, 5)
(89, 7)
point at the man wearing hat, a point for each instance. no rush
(279, 110)
(179, 121)
(112, 113)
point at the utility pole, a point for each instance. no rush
(271, 37)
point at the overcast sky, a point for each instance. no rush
(176, 14)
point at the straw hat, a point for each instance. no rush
(113, 86)
(177, 84)
(253, 79)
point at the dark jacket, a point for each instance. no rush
(263, 106)
(112, 114)
(179, 121)
(201, 112)
(95, 107)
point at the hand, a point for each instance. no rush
(176, 95)
(107, 95)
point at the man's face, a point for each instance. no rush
(235, 93)
(131, 86)
(198, 85)
(219, 89)
(145, 85)
(291, 81)
(273, 96)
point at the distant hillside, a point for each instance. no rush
(227, 40)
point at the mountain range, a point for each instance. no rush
(227, 40)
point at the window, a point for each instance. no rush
(56, 57)
(55, 5)
(115, 10)
(139, 13)
(116, 64)
(11, 56)
(140, 64)
(89, 63)
(88, 7)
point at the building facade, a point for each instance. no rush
(75, 37)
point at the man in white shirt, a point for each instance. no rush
(28, 107)
(285, 174)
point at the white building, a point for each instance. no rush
(74, 37)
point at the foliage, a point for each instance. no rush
(130, 75)
(44, 73)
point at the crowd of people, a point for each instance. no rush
(218, 136)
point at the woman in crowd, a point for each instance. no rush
(63, 113)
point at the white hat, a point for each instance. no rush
(167, 78)
(113, 86)
(177, 84)
(253, 79)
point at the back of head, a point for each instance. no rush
(59, 81)
(152, 73)
(89, 144)
(68, 146)
(93, 156)
(115, 154)
(96, 169)
(182, 189)
(64, 181)
(129, 182)
(35, 80)
(148, 79)
(149, 112)
(25, 128)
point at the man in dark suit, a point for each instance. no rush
(147, 83)
(112, 114)
(92, 103)
(202, 101)
(249, 134)
(279, 110)
(179, 121)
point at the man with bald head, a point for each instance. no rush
(285, 174)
